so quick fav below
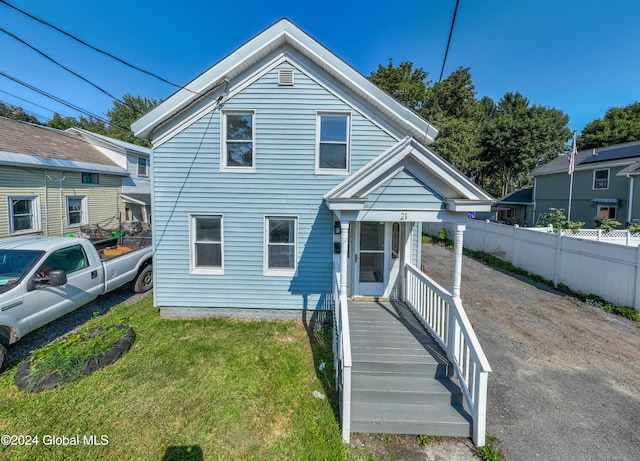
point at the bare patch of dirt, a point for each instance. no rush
(566, 376)
(383, 447)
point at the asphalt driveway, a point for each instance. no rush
(566, 376)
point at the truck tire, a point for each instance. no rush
(3, 352)
(144, 281)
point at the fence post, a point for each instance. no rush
(484, 236)
(636, 300)
(514, 246)
(556, 266)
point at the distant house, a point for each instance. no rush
(267, 159)
(516, 208)
(54, 182)
(604, 185)
(136, 189)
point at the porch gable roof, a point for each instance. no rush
(438, 181)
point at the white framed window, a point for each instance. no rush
(607, 212)
(24, 214)
(143, 167)
(333, 134)
(601, 179)
(238, 141)
(280, 245)
(206, 243)
(77, 210)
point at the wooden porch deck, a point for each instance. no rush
(401, 378)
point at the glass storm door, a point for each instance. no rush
(371, 260)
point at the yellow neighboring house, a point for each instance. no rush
(53, 182)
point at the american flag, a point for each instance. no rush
(573, 155)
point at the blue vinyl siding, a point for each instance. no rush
(187, 179)
(402, 192)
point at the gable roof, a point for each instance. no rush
(436, 178)
(280, 35)
(628, 152)
(25, 144)
(112, 143)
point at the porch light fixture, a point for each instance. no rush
(336, 227)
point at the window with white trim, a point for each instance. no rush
(206, 235)
(601, 179)
(333, 142)
(281, 238)
(238, 141)
(143, 165)
(24, 214)
(77, 210)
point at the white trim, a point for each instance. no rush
(593, 184)
(208, 270)
(36, 223)
(333, 171)
(84, 210)
(283, 271)
(223, 141)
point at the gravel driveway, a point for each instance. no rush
(63, 325)
(566, 377)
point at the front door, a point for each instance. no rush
(372, 256)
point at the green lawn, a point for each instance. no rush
(187, 390)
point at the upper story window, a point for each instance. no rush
(238, 135)
(333, 143)
(24, 214)
(90, 178)
(601, 179)
(143, 165)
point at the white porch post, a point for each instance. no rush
(406, 258)
(344, 248)
(457, 259)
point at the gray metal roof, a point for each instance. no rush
(627, 152)
(522, 196)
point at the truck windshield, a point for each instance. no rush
(14, 264)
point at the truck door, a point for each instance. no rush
(46, 303)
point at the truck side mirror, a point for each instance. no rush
(57, 278)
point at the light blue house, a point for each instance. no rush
(284, 182)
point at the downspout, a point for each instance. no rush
(629, 214)
(46, 204)
(533, 216)
(61, 206)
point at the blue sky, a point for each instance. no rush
(579, 56)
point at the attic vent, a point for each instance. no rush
(285, 76)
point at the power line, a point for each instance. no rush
(28, 112)
(27, 101)
(446, 53)
(46, 56)
(106, 53)
(62, 101)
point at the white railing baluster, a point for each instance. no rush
(342, 355)
(445, 317)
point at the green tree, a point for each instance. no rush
(455, 96)
(62, 123)
(121, 116)
(517, 138)
(619, 124)
(404, 83)
(16, 113)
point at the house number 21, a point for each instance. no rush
(403, 216)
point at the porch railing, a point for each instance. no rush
(342, 355)
(445, 317)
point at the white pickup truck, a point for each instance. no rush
(43, 278)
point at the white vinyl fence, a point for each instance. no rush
(609, 270)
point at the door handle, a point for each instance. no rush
(94, 274)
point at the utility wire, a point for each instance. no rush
(79, 40)
(34, 114)
(63, 102)
(46, 56)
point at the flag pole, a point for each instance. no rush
(572, 164)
